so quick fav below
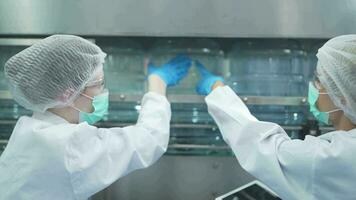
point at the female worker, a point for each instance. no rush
(321, 167)
(57, 153)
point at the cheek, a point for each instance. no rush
(84, 104)
(324, 103)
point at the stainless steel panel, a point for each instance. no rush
(249, 100)
(25, 41)
(178, 178)
(229, 18)
(17, 41)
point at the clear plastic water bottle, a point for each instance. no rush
(124, 66)
(267, 68)
(6, 52)
(206, 51)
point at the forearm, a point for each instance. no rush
(228, 109)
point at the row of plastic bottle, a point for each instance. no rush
(263, 68)
(258, 67)
(252, 67)
(5, 53)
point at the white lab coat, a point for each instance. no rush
(321, 167)
(48, 158)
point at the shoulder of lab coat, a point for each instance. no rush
(32, 165)
(294, 169)
(99, 156)
(49, 158)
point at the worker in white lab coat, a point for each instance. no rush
(321, 167)
(57, 153)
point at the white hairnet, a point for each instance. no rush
(337, 72)
(43, 74)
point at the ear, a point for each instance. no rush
(66, 95)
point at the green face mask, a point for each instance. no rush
(313, 96)
(101, 106)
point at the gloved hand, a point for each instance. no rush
(207, 79)
(173, 71)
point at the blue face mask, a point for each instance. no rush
(101, 106)
(313, 95)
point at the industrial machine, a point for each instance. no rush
(265, 50)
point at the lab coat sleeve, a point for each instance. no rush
(264, 149)
(99, 156)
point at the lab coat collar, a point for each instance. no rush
(49, 117)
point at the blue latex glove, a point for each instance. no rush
(207, 79)
(173, 71)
